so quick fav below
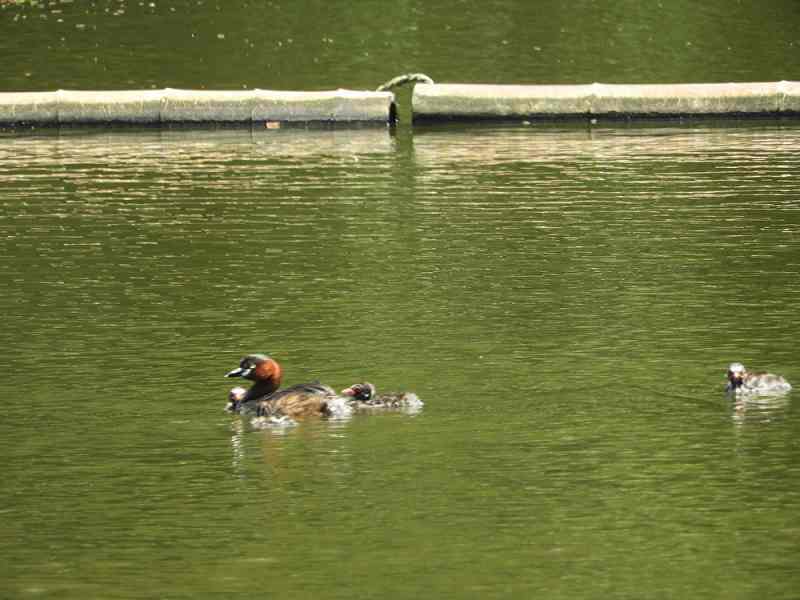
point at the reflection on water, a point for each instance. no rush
(566, 301)
(760, 410)
(543, 144)
(127, 146)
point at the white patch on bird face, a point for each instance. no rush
(736, 368)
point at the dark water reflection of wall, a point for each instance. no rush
(313, 45)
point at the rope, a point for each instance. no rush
(403, 79)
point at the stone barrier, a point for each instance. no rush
(453, 102)
(194, 106)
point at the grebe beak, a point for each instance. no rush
(239, 372)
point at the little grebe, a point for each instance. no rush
(364, 395)
(742, 382)
(264, 399)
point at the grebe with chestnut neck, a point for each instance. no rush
(265, 398)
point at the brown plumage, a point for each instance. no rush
(365, 396)
(265, 399)
(297, 401)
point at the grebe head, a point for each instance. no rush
(257, 367)
(235, 397)
(360, 391)
(736, 373)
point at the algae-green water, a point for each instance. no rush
(565, 299)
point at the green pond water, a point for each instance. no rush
(564, 299)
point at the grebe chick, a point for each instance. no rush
(364, 395)
(741, 382)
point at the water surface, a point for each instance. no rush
(564, 300)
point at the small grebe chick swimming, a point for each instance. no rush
(742, 382)
(364, 395)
